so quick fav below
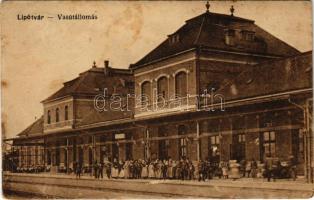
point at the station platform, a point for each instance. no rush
(67, 186)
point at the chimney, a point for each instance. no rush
(106, 67)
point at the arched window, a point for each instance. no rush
(57, 115)
(48, 117)
(162, 87)
(182, 141)
(66, 113)
(181, 84)
(146, 92)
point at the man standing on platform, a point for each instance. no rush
(95, 169)
(101, 170)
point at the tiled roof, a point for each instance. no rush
(271, 77)
(208, 31)
(92, 82)
(35, 128)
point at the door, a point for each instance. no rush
(238, 147)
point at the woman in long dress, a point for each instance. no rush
(126, 169)
(178, 170)
(114, 169)
(151, 173)
(164, 169)
(121, 169)
(169, 170)
(225, 170)
(158, 169)
(174, 169)
(144, 173)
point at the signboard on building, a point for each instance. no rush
(119, 136)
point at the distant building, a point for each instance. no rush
(219, 88)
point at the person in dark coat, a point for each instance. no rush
(242, 167)
(178, 170)
(78, 170)
(268, 169)
(201, 170)
(254, 168)
(293, 167)
(185, 168)
(108, 169)
(209, 170)
(95, 169)
(164, 168)
(101, 170)
(131, 169)
(74, 167)
(191, 171)
(138, 170)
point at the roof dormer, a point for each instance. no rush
(174, 38)
(230, 37)
(247, 35)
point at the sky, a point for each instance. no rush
(38, 56)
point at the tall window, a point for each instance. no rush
(241, 138)
(146, 92)
(182, 141)
(162, 87)
(269, 143)
(229, 37)
(57, 115)
(181, 84)
(66, 113)
(248, 35)
(214, 148)
(48, 117)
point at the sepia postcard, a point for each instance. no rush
(157, 99)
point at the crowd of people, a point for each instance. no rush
(183, 169)
(136, 169)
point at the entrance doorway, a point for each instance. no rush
(214, 149)
(238, 147)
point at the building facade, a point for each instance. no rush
(220, 88)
